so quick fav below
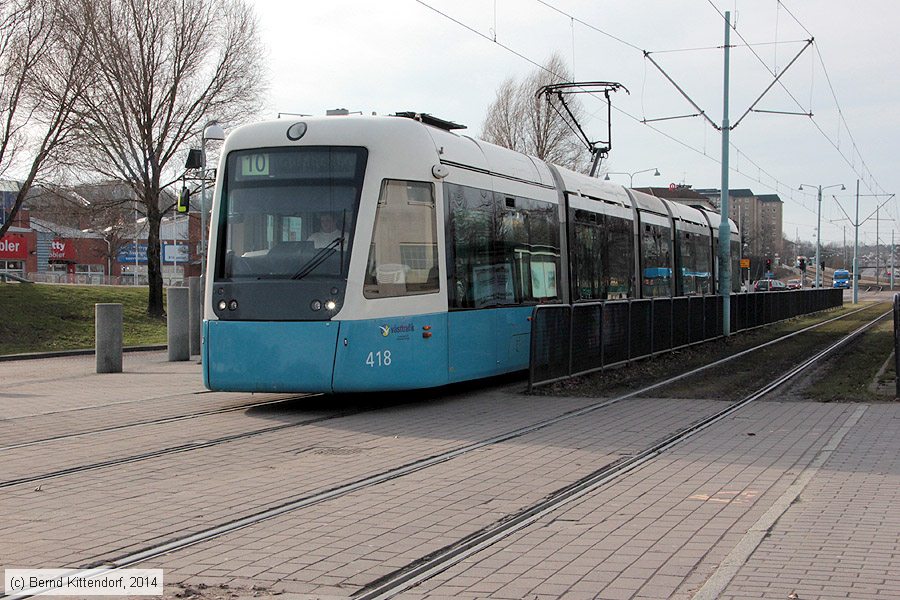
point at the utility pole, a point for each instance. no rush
(856, 249)
(818, 235)
(892, 260)
(856, 224)
(877, 277)
(724, 225)
(845, 246)
(819, 222)
(724, 255)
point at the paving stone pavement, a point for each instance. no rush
(781, 498)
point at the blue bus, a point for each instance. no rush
(841, 279)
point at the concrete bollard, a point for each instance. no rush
(195, 300)
(177, 324)
(108, 337)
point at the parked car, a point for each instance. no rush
(769, 285)
(793, 284)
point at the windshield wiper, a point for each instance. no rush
(318, 258)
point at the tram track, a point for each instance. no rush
(114, 462)
(390, 474)
(157, 421)
(439, 561)
(190, 446)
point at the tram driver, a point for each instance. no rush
(328, 231)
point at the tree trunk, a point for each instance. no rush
(154, 271)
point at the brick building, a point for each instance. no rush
(759, 216)
(39, 249)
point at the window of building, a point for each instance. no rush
(16, 267)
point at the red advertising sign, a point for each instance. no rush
(62, 250)
(14, 247)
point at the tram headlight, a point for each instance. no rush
(222, 305)
(315, 305)
(232, 305)
(296, 131)
(330, 305)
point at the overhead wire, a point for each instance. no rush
(814, 121)
(643, 121)
(701, 152)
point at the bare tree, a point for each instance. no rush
(43, 73)
(521, 120)
(164, 69)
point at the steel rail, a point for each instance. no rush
(175, 544)
(159, 421)
(114, 462)
(452, 554)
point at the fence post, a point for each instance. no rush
(108, 337)
(897, 345)
(177, 324)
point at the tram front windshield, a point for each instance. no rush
(289, 213)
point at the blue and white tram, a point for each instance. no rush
(376, 253)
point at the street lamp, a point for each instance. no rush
(212, 131)
(632, 174)
(103, 235)
(819, 221)
(856, 224)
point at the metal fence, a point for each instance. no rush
(569, 340)
(897, 344)
(101, 279)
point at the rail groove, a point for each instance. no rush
(441, 560)
(445, 558)
(159, 421)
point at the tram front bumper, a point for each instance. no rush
(262, 356)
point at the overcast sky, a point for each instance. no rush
(394, 55)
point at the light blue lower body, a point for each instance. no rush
(395, 353)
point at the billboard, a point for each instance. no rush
(171, 253)
(14, 247)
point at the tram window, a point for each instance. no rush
(403, 253)
(602, 257)
(655, 254)
(276, 206)
(694, 262)
(476, 279)
(735, 266)
(621, 257)
(504, 250)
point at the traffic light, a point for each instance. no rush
(822, 266)
(184, 200)
(194, 159)
(802, 264)
(768, 264)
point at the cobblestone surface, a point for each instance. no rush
(59, 396)
(338, 546)
(840, 539)
(107, 512)
(663, 531)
